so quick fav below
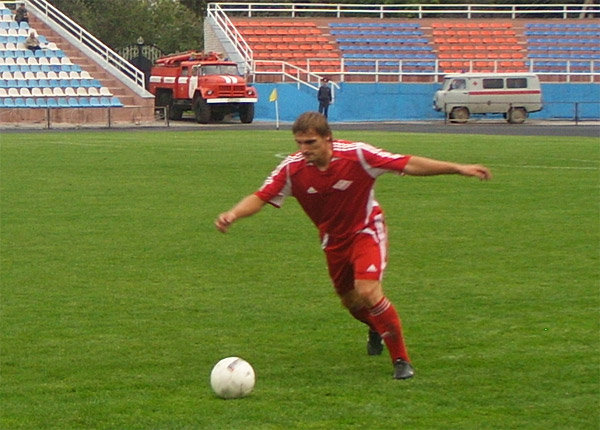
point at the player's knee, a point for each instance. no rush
(369, 292)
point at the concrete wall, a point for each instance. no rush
(406, 102)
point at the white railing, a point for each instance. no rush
(240, 45)
(401, 74)
(82, 36)
(289, 72)
(397, 70)
(509, 11)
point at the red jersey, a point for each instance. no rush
(340, 201)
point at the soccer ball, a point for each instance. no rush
(232, 378)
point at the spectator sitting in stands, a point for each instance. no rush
(32, 42)
(21, 14)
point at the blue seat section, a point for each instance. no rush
(550, 43)
(46, 78)
(366, 47)
(59, 102)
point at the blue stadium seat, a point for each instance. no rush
(63, 102)
(73, 102)
(30, 102)
(9, 102)
(20, 102)
(115, 102)
(52, 103)
(105, 102)
(41, 102)
(95, 102)
(84, 102)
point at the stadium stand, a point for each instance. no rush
(371, 48)
(60, 75)
(563, 47)
(25, 74)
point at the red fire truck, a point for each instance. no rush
(204, 83)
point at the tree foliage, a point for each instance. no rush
(170, 25)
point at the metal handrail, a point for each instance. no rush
(233, 35)
(420, 11)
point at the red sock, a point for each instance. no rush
(363, 316)
(385, 319)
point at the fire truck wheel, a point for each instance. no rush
(201, 111)
(246, 113)
(175, 112)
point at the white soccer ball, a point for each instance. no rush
(232, 378)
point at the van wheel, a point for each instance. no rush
(517, 116)
(459, 114)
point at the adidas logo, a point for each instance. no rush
(311, 190)
(371, 268)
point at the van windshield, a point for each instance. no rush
(454, 84)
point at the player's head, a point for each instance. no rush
(312, 122)
(313, 137)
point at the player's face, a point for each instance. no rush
(316, 149)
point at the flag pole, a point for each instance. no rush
(274, 97)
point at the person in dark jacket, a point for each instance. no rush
(21, 14)
(324, 97)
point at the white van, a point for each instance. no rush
(511, 94)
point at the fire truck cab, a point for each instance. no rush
(204, 83)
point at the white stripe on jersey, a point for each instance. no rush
(287, 188)
(360, 148)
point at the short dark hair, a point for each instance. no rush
(312, 121)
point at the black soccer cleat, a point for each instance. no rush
(374, 343)
(403, 369)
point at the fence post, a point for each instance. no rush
(446, 114)
(576, 113)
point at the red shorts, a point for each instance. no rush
(363, 256)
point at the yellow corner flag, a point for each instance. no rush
(273, 96)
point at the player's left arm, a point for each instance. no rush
(421, 166)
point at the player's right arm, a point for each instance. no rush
(248, 206)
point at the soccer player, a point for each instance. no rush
(333, 182)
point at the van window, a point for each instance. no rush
(459, 84)
(493, 83)
(516, 83)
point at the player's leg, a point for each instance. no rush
(351, 300)
(342, 275)
(369, 259)
(364, 299)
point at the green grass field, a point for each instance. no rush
(118, 295)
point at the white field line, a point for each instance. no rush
(526, 166)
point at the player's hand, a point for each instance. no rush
(223, 221)
(477, 171)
